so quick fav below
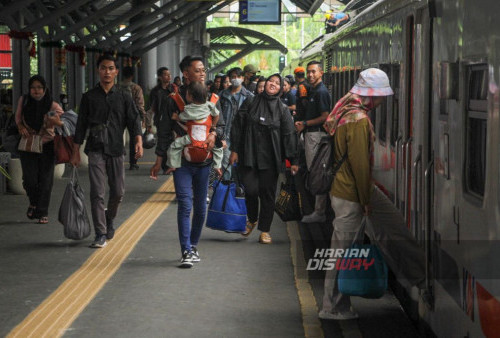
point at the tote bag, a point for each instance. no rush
(366, 278)
(72, 212)
(288, 205)
(227, 210)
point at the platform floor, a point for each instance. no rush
(53, 286)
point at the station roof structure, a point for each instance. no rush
(132, 26)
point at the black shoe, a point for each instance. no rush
(186, 260)
(99, 242)
(133, 167)
(110, 231)
(195, 254)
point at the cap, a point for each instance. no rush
(250, 68)
(299, 70)
(372, 82)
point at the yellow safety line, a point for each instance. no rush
(56, 313)
(308, 306)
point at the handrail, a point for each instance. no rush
(427, 222)
(396, 174)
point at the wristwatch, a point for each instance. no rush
(304, 123)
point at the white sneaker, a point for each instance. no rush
(314, 218)
(338, 315)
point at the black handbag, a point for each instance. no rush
(288, 205)
(323, 167)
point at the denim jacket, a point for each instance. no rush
(229, 108)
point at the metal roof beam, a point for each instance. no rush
(182, 28)
(126, 16)
(12, 8)
(232, 59)
(239, 46)
(314, 7)
(165, 26)
(89, 19)
(56, 15)
(146, 19)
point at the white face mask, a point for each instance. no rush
(236, 82)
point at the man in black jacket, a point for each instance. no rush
(106, 111)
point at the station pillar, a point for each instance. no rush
(20, 69)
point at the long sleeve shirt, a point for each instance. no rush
(116, 110)
(353, 180)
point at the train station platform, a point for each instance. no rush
(52, 286)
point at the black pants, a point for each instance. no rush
(38, 177)
(259, 184)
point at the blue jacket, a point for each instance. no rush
(229, 108)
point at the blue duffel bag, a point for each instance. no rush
(227, 210)
(365, 278)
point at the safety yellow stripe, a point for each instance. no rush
(56, 313)
(308, 306)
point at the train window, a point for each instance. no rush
(477, 119)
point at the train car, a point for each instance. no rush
(437, 146)
(312, 51)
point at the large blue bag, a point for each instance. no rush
(227, 210)
(368, 279)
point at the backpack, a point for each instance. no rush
(323, 167)
(198, 131)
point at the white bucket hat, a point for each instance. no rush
(372, 82)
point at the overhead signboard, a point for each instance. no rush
(266, 12)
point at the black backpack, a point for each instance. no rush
(323, 167)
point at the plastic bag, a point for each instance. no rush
(72, 212)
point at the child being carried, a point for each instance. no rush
(199, 116)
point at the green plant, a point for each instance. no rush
(5, 173)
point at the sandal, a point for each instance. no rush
(265, 238)
(30, 213)
(43, 220)
(249, 228)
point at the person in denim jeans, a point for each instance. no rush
(231, 100)
(191, 179)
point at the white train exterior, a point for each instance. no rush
(437, 148)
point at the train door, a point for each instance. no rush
(405, 140)
(416, 140)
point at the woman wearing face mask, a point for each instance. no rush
(262, 137)
(37, 113)
(353, 193)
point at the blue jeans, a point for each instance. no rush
(191, 187)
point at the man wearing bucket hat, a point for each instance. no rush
(249, 71)
(354, 195)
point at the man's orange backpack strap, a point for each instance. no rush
(178, 101)
(214, 98)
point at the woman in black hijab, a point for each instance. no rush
(262, 137)
(32, 116)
